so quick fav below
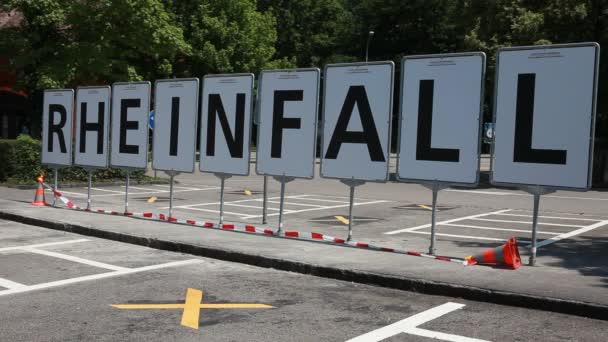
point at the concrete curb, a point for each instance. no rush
(565, 306)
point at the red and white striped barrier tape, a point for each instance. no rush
(245, 228)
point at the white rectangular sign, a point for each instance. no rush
(226, 107)
(441, 97)
(57, 114)
(544, 114)
(92, 126)
(357, 108)
(175, 119)
(130, 110)
(287, 125)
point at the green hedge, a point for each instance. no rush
(20, 164)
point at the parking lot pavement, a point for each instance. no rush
(66, 287)
(573, 235)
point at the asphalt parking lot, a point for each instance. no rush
(391, 214)
(58, 286)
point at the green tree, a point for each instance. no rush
(68, 43)
(312, 32)
(226, 36)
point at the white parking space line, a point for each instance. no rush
(75, 259)
(249, 206)
(497, 229)
(44, 244)
(571, 234)
(11, 284)
(528, 222)
(460, 236)
(121, 193)
(144, 189)
(107, 190)
(214, 211)
(443, 222)
(98, 276)
(300, 204)
(552, 217)
(498, 193)
(314, 209)
(410, 326)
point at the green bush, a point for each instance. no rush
(20, 164)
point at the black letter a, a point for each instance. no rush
(369, 136)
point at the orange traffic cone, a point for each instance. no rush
(39, 200)
(506, 255)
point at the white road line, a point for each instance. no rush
(215, 211)
(312, 209)
(498, 229)
(498, 193)
(322, 200)
(410, 326)
(481, 192)
(75, 259)
(443, 222)
(98, 276)
(106, 190)
(300, 204)
(43, 244)
(459, 236)
(145, 189)
(571, 234)
(11, 284)
(554, 217)
(185, 206)
(249, 206)
(528, 222)
(78, 194)
(183, 187)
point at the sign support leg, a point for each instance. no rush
(351, 183)
(171, 195)
(89, 190)
(222, 177)
(535, 191)
(435, 187)
(265, 202)
(532, 260)
(127, 192)
(55, 172)
(283, 180)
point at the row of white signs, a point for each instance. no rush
(544, 114)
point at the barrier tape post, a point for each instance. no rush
(90, 180)
(127, 192)
(222, 177)
(351, 183)
(265, 202)
(283, 180)
(55, 185)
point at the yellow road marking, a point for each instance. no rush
(247, 192)
(425, 207)
(342, 219)
(192, 307)
(152, 199)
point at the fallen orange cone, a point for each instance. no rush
(505, 255)
(39, 200)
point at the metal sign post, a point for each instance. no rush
(55, 172)
(265, 202)
(351, 183)
(89, 188)
(127, 192)
(222, 177)
(435, 187)
(171, 174)
(535, 191)
(283, 180)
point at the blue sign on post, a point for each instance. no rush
(151, 119)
